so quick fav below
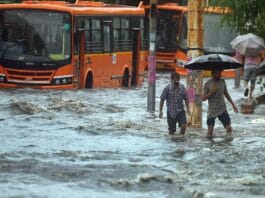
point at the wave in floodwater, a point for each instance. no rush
(103, 143)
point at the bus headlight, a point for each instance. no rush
(57, 81)
(62, 80)
(2, 78)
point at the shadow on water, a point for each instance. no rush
(178, 138)
(220, 140)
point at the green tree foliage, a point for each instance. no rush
(246, 16)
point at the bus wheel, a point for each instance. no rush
(89, 80)
(125, 78)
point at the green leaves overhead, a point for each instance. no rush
(246, 16)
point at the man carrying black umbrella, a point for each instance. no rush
(214, 91)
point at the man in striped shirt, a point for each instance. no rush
(174, 94)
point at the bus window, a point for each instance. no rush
(116, 32)
(167, 28)
(106, 30)
(96, 36)
(183, 33)
(212, 30)
(125, 34)
(40, 47)
(125, 29)
(88, 34)
(35, 35)
(121, 34)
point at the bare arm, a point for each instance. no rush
(228, 97)
(210, 93)
(207, 95)
(187, 106)
(161, 108)
(186, 100)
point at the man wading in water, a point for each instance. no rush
(175, 93)
(214, 91)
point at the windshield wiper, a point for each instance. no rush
(18, 42)
(5, 50)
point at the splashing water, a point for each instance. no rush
(103, 143)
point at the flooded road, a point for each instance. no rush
(102, 143)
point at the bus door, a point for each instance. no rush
(136, 46)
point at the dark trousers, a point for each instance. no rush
(172, 121)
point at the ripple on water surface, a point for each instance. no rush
(103, 143)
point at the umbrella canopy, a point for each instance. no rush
(261, 68)
(248, 44)
(213, 62)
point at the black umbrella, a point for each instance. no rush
(213, 62)
(261, 68)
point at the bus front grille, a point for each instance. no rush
(29, 77)
(165, 57)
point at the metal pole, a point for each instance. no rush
(195, 46)
(237, 77)
(152, 56)
(237, 73)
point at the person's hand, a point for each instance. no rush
(160, 114)
(213, 88)
(235, 108)
(188, 112)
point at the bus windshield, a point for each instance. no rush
(217, 37)
(167, 30)
(34, 35)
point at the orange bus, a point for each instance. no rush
(172, 27)
(55, 44)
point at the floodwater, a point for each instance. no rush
(102, 143)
